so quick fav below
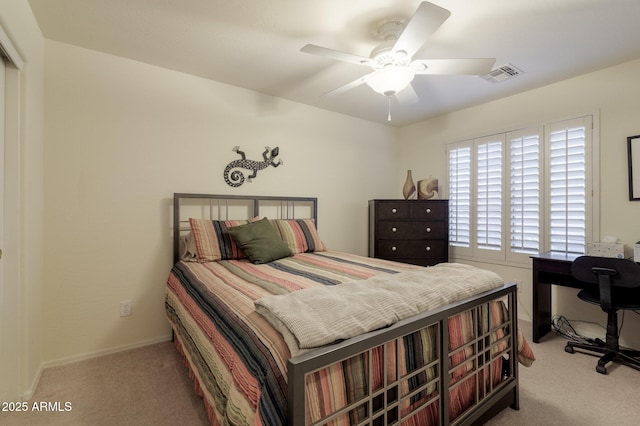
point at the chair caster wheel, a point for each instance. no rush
(569, 349)
(601, 369)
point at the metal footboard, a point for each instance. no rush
(482, 384)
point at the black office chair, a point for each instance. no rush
(618, 287)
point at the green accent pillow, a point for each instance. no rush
(260, 241)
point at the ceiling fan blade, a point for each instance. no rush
(348, 86)
(408, 96)
(335, 54)
(480, 66)
(427, 19)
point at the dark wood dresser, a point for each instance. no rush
(409, 231)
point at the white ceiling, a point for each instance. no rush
(255, 44)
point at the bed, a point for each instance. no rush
(452, 362)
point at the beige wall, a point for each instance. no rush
(123, 136)
(614, 94)
(22, 262)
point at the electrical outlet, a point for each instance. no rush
(125, 308)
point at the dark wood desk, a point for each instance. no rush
(551, 268)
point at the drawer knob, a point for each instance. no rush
(393, 210)
(428, 210)
(428, 229)
(393, 229)
(428, 248)
(393, 248)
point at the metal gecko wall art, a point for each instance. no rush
(236, 177)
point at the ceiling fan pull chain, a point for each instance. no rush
(389, 108)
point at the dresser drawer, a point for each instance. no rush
(393, 210)
(390, 249)
(428, 210)
(410, 229)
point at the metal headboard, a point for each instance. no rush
(226, 207)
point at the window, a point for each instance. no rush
(476, 197)
(515, 194)
(567, 186)
(460, 196)
(524, 192)
(489, 195)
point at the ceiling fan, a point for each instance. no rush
(392, 61)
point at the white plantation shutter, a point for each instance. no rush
(460, 196)
(567, 187)
(489, 195)
(546, 199)
(524, 192)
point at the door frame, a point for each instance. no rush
(12, 322)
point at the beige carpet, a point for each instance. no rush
(150, 386)
(565, 389)
(146, 386)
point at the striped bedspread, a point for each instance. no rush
(236, 358)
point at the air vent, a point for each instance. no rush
(503, 73)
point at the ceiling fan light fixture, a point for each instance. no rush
(390, 80)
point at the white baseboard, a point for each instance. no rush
(81, 357)
(28, 394)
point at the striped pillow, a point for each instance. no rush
(213, 241)
(300, 235)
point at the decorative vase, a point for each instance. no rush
(409, 187)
